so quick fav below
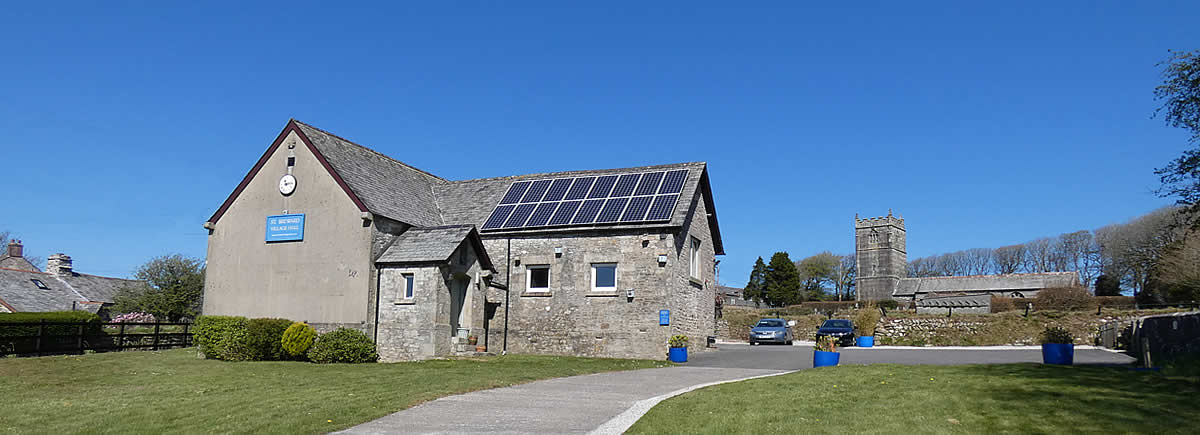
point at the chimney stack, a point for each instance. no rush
(59, 264)
(15, 249)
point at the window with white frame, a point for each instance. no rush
(410, 284)
(604, 277)
(537, 278)
(695, 258)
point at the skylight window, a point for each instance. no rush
(39, 284)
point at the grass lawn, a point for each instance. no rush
(174, 391)
(1018, 398)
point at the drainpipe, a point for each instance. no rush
(378, 274)
(507, 278)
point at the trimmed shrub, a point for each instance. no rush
(343, 345)
(1119, 302)
(264, 338)
(214, 334)
(821, 307)
(866, 319)
(888, 304)
(1064, 299)
(23, 324)
(297, 339)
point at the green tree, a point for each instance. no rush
(816, 272)
(783, 281)
(1180, 94)
(1107, 286)
(172, 288)
(757, 287)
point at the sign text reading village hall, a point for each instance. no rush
(285, 227)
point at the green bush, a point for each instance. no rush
(264, 337)
(888, 304)
(213, 335)
(297, 339)
(1055, 334)
(678, 341)
(24, 324)
(1121, 302)
(343, 345)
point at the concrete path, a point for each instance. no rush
(578, 404)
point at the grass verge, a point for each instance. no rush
(173, 391)
(1020, 398)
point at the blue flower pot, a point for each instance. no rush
(823, 359)
(677, 354)
(868, 341)
(1058, 353)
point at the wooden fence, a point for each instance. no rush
(57, 338)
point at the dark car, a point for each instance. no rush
(771, 331)
(840, 329)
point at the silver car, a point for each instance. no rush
(771, 331)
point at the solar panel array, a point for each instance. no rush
(604, 199)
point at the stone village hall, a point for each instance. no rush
(603, 263)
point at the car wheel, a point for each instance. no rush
(789, 342)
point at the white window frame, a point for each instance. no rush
(695, 257)
(529, 278)
(604, 289)
(410, 286)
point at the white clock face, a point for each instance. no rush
(287, 184)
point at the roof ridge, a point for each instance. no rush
(443, 227)
(21, 270)
(680, 164)
(385, 156)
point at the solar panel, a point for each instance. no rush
(498, 216)
(542, 214)
(519, 216)
(515, 192)
(604, 199)
(536, 190)
(558, 189)
(580, 188)
(603, 186)
(587, 211)
(636, 211)
(649, 183)
(565, 213)
(625, 185)
(612, 210)
(662, 208)
(673, 183)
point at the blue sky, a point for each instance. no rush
(125, 125)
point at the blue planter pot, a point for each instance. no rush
(868, 341)
(677, 354)
(823, 359)
(1058, 353)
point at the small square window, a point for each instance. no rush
(409, 285)
(604, 277)
(40, 284)
(537, 278)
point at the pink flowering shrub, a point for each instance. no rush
(134, 318)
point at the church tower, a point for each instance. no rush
(880, 254)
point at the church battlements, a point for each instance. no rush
(878, 221)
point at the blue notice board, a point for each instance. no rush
(664, 317)
(285, 227)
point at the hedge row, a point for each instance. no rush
(1062, 299)
(25, 324)
(233, 338)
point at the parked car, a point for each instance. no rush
(771, 331)
(840, 329)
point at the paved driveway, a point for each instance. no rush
(800, 356)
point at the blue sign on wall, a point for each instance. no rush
(285, 227)
(664, 317)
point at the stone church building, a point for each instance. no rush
(597, 262)
(880, 250)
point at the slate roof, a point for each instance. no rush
(956, 301)
(435, 244)
(19, 263)
(986, 283)
(18, 291)
(386, 186)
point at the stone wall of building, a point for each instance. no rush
(880, 249)
(572, 319)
